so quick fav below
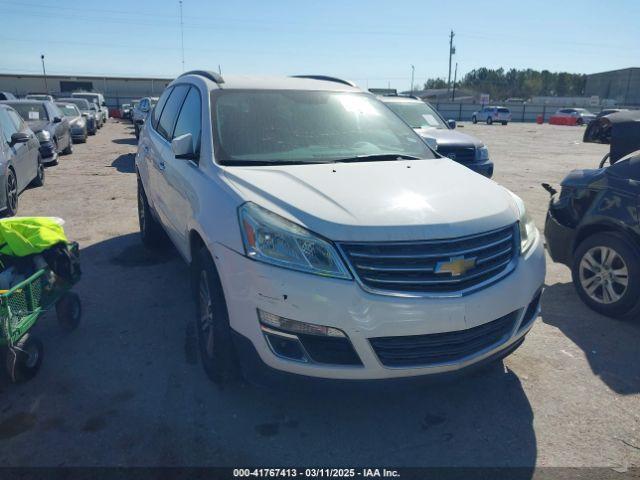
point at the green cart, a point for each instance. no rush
(20, 308)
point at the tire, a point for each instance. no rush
(11, 194)
(504, 123)
(606, 274)
(151, 232)
(69, 149)
(136, 127)
(38, 181)
(24, 360)
(215, 342)
(580, 121)
(474, 120)
(69, 311)
(489, 120)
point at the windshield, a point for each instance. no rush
(307, 126)
(30, 111)
(68, 110)
(417, 114)
(88, 97)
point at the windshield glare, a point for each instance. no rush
(417, 114)
(30, 111)
(68, 110)
(307, 126)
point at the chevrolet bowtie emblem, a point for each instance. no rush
(456, 266)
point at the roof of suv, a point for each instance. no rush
(241, 82)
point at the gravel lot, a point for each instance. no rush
(126, 387)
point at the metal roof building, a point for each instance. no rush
(623, 85)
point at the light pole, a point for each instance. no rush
(181, 35)
(44, 72)
(413, 71)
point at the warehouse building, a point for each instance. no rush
(623, 86)
(117, 90)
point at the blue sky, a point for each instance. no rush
(371, 42)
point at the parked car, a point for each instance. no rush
(98, 100)
(97, 113)
(77, 123)
(325, 238)
(7, 96)
(609, 111)
(582, 115)
(49, 125)
(40, 96)
(134, 105)
(592, 224)
(492, 114)
(440, 134)
(20, 161)
(141, 111)
(125, 111)
(87, 112)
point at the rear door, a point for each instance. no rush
(19, 152)
(31, 151)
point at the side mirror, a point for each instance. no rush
(19, 137)
(104, 104)
(57, 119)
(182, 147)
(452, 123)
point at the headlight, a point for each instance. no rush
(272, 239)
(43, 136)
(482, 153)
(528, 230)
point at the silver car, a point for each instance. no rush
(141, 111)
(85, 109)
(440, 135)
(77, 122)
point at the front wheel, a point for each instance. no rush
(474, 120)
(69, 149)
(504, 123)
(38, 181)
(606, 274)
(136, 127)
(215, 342)
(151, 231)
(489, 120)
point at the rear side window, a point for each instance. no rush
(159, 106)
(503, 110)
(190, 119)
(6, 125)
(170, 111)
(17, 120)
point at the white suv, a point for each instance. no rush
(325, 238)
(492, 114)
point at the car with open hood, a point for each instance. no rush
(325, 238)
(441, 135)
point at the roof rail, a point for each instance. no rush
(213, 76)
(326, 78)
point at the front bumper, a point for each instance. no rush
(560, 240)
(78, 133)
(483, 168)
(48, 152)
(342, 304)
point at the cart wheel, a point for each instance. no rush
(69, 311)
(24, 359)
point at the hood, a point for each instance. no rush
(381, 201)
(448, 137)
(583, 177)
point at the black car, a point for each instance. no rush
(592, 225)
(20, 163)
(49, 124)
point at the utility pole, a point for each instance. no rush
(181, 35)
(44, 72)
(455, 77)
(452, 51)
(413, 72)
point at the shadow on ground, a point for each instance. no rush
(125, 163)
(126, 141)
(129, 377)
(611, 346)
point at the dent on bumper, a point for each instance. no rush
(249, 285)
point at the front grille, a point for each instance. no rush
(420, 268)
(458, 153)
(442, 348)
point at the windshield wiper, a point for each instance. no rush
(377, 157)
(264, 163)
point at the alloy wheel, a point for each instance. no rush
(604, 275)
(12, 191)
(206, 316)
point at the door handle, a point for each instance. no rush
(161, 165)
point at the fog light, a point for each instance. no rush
(294, 326)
